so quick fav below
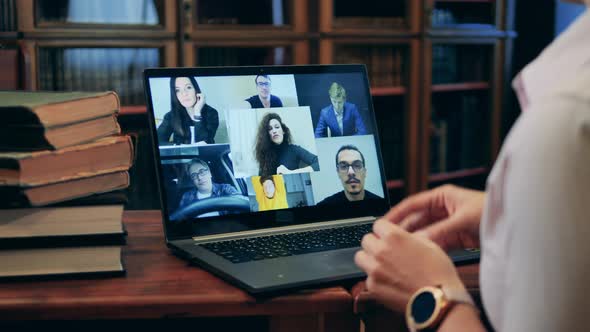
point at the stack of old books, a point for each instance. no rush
(63, 166)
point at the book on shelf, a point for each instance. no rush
(444, 64)
(347, 55)
(375, 68)
(16, 196)
(442, 146)
(388, 67)
(7, 15)
(61, 261)
(472, 129)
(105, 155)
(397, 68)
(62, 226)
(458, 136)
(439, 135)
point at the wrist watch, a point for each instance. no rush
(429, 305)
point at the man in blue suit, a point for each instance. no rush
(340, 118)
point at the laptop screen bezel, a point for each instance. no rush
(265, 219)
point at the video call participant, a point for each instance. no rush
(341, 118)
(275, 153)
(189, 114)
(200, 174)
(350, 165)
(264, 99)
(273, 195)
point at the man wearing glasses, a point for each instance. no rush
(264, 99)
(350, 165)
(200, 174)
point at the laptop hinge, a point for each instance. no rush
(285, 229)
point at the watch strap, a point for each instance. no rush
(455, 295)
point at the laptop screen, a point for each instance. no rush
(246, 148)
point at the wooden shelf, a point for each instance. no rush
(131, 110)
(464, 86)
(440, 177)
(477, 31)
(388, 91)
(395, 184)
(9, 35)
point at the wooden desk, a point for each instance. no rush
(160, 285)
(377, 317)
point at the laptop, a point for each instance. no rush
(269, 176)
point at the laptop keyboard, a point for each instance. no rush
(281, 245)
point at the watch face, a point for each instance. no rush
(423, 307)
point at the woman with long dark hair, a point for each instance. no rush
(190, 119)
(275, 152)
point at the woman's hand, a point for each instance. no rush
(200, 103)
(283, 170)
(447, 215)
(398, 263)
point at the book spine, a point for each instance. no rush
(60, 241)
(59, 76)
(3, 17)
(65, 276)
(471, 133)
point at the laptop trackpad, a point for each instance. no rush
(300, 268)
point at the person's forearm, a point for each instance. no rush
(462, 317)
(305, 169)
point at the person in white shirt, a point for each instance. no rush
(532, 222)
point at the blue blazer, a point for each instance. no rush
(352, 123)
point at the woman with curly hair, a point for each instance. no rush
(275, 152)
(190, 119)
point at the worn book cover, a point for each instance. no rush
(51, 108)
(33, 138)
(60, 262)
(15, 196)
(62, 226)
(27, 169)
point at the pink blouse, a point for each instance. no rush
(535, 230)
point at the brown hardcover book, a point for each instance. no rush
(62, 226)
(26, 169)
(396, 67)
(375, 66)
(52, 109)
(107, 198)
(30, 138)
(14, 196)
(76, 261)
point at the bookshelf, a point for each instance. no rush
(437, 67)
(89, 45)
(459, 111)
